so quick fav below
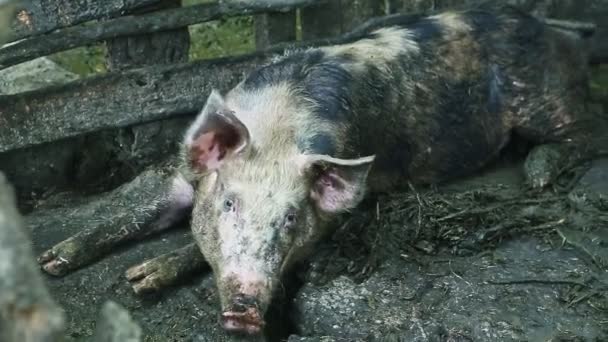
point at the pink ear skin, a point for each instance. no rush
(220, 136)
(338, 185)
(331, 192)
(206, 153)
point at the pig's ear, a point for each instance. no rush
(215, 136)
(338, 185)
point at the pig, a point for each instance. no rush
(268, 167)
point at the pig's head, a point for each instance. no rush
(260, 208)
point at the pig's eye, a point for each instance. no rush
(290, 219)
(228, 204)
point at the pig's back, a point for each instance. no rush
(433, 99)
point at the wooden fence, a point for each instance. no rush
(150, 78)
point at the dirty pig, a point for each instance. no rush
(304, 138)
(267, 167)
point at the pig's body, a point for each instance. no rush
(301, 140)
(432, 101)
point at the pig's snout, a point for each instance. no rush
(243, 316)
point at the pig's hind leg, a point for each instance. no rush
(151, 202)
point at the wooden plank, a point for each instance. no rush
(37, 17)
(595, 11)
(122, 99)
(166, 47)
(337, 17)
(273, 28)
(321, 21)
(166, 20)
(138, 96)
(356, 12)
(115, 100)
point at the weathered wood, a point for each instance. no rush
(583, 10)
(165, 47)
(337, 17)
(138, 96)
(321, 21)
(273, 28)
(37, 17)
(121, 99)
(166, 20)
(356, 12)
(115, 100)
(27, 312)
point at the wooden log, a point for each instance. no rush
(37, 17)
(27, 312)
(71, 37)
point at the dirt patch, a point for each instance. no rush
(477, 259)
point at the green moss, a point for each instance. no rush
(227, 37)
(83, 61)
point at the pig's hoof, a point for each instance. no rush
(165, 270)
(63, 258)
(150, 276)
(539, 183)
(542, 165)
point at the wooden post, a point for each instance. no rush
(149, 49)
(322, 21)
(273, 28)
(336, 17)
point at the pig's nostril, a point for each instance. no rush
(241, 303)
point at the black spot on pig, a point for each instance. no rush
(321, 143)
(481, 22)
(289, 68)
(468, 133)
(328, 84)
(426, 29)
(396, 158)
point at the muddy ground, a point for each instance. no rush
(480, 259)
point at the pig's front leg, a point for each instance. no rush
(152, 202)
(166, 270)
